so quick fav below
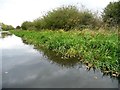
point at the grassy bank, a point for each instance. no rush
(96, 49)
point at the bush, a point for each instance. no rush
(18, 27)
(39, 23)
(7, 27)
(111, 14)
(27, 25)
(66, 18)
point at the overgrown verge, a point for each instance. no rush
(66, 17)
(97, 49)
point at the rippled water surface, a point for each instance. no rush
(26, 67)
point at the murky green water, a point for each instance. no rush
(26, 67)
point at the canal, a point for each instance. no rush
(23, 66)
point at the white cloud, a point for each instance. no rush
(14, 12)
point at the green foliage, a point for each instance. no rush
(28, 25)
(111, 14)
(66, 18)
(99, 48)
(39, 23)
(7, 27)
(18, 27)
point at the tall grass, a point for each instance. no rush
(97, 49)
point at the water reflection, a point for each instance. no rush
(25, 67)
(4, 34)
(58, 59)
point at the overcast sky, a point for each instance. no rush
(14, 12)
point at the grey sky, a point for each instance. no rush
(14, 12)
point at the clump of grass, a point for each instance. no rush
(97, 49)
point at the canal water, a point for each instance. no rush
(23, 66)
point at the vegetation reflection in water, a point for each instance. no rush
(74, 62)
(58, 58)
(5, 34)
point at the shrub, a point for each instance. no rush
(39, 23)
(27, 25)
(111, 14)
(66, 18)
(7, 27)
(18, 27)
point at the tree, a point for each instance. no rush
(7, 27)
(27, 25)
(18, 27)
(111, 14)
(10, 27)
